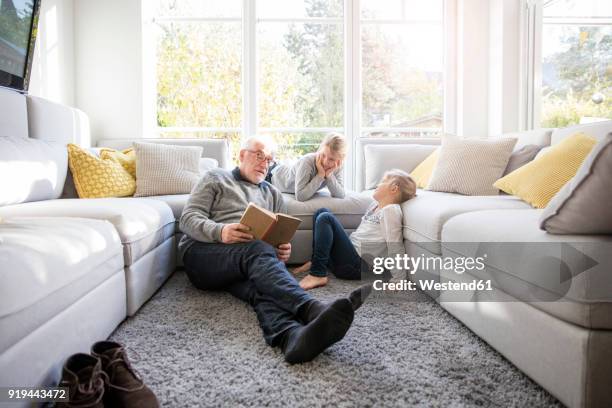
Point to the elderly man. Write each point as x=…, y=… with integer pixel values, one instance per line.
x=219, y=254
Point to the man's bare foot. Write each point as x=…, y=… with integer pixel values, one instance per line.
x=303, y=268
x=311, y=282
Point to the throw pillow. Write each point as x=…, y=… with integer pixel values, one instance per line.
x=521, y=157
x=537, y=182
x=582, y=206
x=97, y=178
x=163, y=169
x=126, y=158
x=470, y=166
x=422, y=173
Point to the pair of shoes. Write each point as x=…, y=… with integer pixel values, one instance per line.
x=104, y=378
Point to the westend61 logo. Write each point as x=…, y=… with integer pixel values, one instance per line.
x=426, y=263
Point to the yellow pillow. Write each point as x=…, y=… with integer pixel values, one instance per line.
x=538, y=181
x=422, y=173
x=97, y=178
x=126, y=158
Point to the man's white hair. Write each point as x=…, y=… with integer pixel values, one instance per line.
x=263, y=139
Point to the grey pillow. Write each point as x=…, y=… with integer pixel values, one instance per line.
x=470, y=166
x=582, y=206
x=166, y=169
x=521, y=157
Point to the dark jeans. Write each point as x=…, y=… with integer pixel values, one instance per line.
x=251, y=272
x=332, y=248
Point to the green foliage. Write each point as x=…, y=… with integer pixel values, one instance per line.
x=300, y=79
x=583, y=69
x=15, y=27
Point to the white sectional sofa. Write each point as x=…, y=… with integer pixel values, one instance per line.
x=73, y=269
x=555, y=328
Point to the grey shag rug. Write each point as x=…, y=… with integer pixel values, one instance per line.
x=198, y=349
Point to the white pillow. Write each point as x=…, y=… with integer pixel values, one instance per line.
x=166, y=169
x=470, y=166
x=380, y=158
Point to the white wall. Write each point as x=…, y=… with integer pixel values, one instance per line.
x=52, y=74
x=504, y=66
x=472, y=68
x=108, y=66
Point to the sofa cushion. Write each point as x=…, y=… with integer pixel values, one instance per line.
x=31, y=170
x=520, y=261
x=380, y=158
x=47, y=265
x=422, y=173
x=521, y=157
x=126, y=158
x=426, y=214
x=97, y=177
x=470, y=166
x=582, y=206
x=537, y=182
x=349, y=209
x=142, y=224
x=166, y=169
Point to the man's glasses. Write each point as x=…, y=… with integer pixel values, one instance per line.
x=261, y=156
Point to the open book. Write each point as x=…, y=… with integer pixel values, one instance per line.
x=272, y=228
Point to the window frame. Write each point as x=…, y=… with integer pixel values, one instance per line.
x=532, y=26
x=351, y=23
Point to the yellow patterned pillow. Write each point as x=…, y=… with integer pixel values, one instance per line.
x=98, y=178
x=537, y=182
x=126, y=158
x=422, y=173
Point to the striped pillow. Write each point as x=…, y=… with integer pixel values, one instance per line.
x=166, y=169
x=470, y=166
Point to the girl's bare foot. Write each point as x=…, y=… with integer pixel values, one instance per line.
x=303, y=268
x=311, y=282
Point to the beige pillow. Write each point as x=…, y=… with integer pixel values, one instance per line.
x=166, y=169
x=470, y=166
x=582, y=206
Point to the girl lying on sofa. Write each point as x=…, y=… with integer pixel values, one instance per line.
x=313, y=171
x=380, y=226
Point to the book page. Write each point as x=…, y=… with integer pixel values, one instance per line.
x=283, y=230
x=258, y=219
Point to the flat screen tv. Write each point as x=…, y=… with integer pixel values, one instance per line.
x=18, y=27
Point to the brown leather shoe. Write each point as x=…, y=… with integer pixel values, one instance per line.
x=83, y=376
x=125, y=388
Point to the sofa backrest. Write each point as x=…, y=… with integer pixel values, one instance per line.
x=217, y=149
x=14, y=117
x=597, y=129
x=33, y=137
x=361, y=162
x=406, y=153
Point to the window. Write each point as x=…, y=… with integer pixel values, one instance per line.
x=402, y=65
x=298, y=69
x=576, y=62
x=300, y=72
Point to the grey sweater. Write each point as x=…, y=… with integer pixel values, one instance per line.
x=219, y=198
x=302, y=180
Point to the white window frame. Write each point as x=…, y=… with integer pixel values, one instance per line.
x=533, y=21
x=352, y=127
